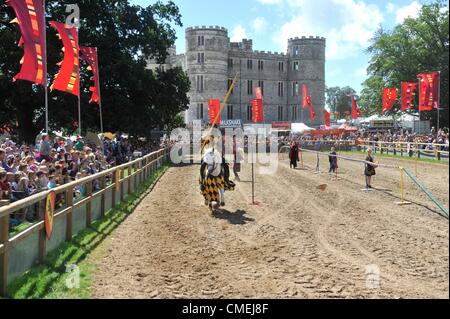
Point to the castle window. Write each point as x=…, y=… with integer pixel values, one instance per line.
x=281, y=66
x=200, y=111
x=230, y=63
x=249, y=113
x=249, y=87
x=201, y=40
x=295, y=89
x=200, y=83
x=250, y=64
x=230, y=83
x=294, y=113
x=230, y=112
x=261, y=85
x=260, y=65
x=296, y=52
x=201, y=58
x=280, y=89
x=296, y=65
x=280, y=113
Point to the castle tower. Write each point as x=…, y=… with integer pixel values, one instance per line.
x=307, y=66
x=207, y=66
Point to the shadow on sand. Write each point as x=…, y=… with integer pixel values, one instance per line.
x=236, y=218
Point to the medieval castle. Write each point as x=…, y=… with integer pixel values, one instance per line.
x=212, y=61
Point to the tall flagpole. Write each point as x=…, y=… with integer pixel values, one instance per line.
x=439, y=104
x=420, y=105
x=99, y=94
x=45, y=68
x=79, y=78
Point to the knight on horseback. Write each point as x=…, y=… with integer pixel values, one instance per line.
x=214, y=177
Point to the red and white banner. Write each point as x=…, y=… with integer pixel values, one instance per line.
x=408, y=95
x=30, y=17
x=214, y=111
x=389, y=98
x=429, y=91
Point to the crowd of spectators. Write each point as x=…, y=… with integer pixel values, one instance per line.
x=54, y=161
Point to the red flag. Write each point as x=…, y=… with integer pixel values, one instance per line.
x=30, y=17
x=258, y=93
x=355, y=109
x=327, y=118
x=312, y=113
x=90, y=56
x=306, y=98
x=389, y=98
x=429, y=91
x=214, y=109
x=257, y=110
x=69, y=74
x=408, y=95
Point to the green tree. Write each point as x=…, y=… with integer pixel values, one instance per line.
x=415, y=46
x=135, y=99
x=339, y=99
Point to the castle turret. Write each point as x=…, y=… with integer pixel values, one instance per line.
x=307, y=66
x=207, y=66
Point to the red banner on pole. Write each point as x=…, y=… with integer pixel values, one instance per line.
x=408, y=95
x=258, y=111
x=355, y=109
x=389, y=98
x=429, y=91
x=69, y=74
x=305, y=96
x=214, y=109
x=30, y=17
x=258, y=93
x=90, y=56
x=327, y=118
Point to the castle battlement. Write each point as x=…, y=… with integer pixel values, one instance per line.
x=207, y=28
x=305, y=39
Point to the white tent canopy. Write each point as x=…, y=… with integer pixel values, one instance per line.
x=300, y=128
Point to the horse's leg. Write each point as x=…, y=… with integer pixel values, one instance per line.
x=222, y=196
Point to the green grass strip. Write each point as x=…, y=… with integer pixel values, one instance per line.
x=48, y=281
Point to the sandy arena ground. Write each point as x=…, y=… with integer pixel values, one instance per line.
x=299, y=242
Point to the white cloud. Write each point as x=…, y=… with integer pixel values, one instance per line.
x=259, y=24
x=348, y=25
x=361, y=72
x=238, y=33
x=410, y=11
x=391, y=8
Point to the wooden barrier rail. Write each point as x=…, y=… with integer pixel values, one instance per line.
x=137, y=172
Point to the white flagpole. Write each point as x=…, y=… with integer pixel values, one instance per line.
x=45, y=68
x=99, y=94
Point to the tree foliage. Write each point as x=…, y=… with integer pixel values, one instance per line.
x=416, y=46
x=339, y=99
x=135, y=99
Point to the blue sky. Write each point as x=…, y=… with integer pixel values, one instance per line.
x=348, y=26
